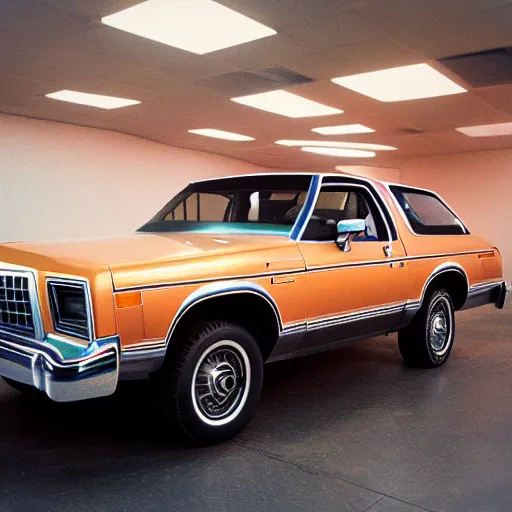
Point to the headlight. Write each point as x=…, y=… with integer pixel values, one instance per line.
x=69, y=305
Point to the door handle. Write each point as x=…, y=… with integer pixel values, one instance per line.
x=388, y=251
x=397, y=264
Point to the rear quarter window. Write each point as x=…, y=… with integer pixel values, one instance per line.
x=426, y=213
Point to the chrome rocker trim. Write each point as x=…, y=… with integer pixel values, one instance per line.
x=64, y=370
x=356, y=316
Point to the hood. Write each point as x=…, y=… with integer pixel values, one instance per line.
x=135, y=253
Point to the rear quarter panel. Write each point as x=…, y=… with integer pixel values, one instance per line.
x=426, y=253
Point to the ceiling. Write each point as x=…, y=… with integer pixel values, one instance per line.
x=51, y=45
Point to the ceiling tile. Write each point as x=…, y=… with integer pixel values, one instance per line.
x=280, y=13
x=262, y=53
x=83, y=63
x=132, y=50
x=95, y=9
x=467, y=33
x=194, y=67
x=35, y=18
x=48, y=45
x=454, y=142
x=320, y=24
x=499, y=97
x=447, y=112
x=400, y=12
x=352, y=59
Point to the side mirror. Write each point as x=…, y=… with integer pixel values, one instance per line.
x=346, y=229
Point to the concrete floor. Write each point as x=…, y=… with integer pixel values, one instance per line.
x=350, y=430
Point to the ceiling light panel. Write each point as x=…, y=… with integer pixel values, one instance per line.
x=344, y=129
x=286, y=104
x=339, y=152
x=335, y=144
x=401, y=84
x=197, y=26
x=487, y=130
x=219, y=134
x=92, y=100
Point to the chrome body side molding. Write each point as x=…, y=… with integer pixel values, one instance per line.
x=319, y=268
x=365, y=314
x=320, y=334
x=328, y=331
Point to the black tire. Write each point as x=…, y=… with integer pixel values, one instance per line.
x=428, y=340
x=210, y=384
x=19, y=386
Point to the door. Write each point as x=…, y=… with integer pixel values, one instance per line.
x=356, y=293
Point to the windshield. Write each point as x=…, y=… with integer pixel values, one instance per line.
x=266, y=204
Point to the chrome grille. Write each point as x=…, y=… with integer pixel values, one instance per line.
x=16, y=313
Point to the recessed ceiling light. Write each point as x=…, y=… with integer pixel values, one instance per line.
x=487, y=130
x=346, y=153
x=286, y=104
x=344, y=129
x=401, y=84
x=198, y=26
x=92, y=100
x=219, y=134
x=335, y=144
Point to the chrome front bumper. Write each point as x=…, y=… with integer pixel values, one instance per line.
x=504, y=296
x=65, y=371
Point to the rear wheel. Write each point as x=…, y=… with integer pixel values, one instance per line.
x=428, y=340
x=209, y=387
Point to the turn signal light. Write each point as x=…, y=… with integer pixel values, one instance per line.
x=128, y=299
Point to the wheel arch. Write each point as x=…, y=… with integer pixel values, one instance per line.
x=452, y=277
x=243, y=302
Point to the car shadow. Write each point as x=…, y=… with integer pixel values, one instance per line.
x=125, y=419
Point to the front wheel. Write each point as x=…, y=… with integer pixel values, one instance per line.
x=428, y=340
x=209, y=386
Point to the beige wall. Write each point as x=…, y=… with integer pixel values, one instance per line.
x=477, y=185
x=64, y=181
x=380, y=173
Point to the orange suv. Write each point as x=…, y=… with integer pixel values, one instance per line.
x=233, y=273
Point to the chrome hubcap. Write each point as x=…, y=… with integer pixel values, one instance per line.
x=438, y=331
x=440, y=327
x=220, y=382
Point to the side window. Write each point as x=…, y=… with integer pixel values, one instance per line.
x=426, y=213
x=343, y=203
x=201, y=207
